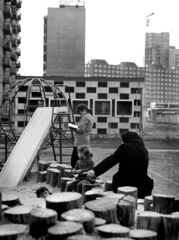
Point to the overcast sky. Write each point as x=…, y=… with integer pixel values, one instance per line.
x=115, y=30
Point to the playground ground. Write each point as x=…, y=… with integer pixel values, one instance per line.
x=163, y=167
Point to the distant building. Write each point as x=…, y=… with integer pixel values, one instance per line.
x=159, y=52
x=10, y=29
x=161, y=84
x=64, y=40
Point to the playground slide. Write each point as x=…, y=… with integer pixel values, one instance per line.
x=25, y=150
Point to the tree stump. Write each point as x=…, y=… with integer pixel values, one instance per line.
x=143, y=234
x=99, y=221
x=41, y=177
x=113, y=230
x=54, y=165
x=132, y=191
x=83, y=216
x=40, y=220
x=54, y=177
x=63, y=229
x=49, y=174
x=81, y=237
x=93, y=194
x=63, y=201
x=163, y=203
x=104, y=208
x=9, y=199
x=147, y=201
x=42, y=165
x=12, y=231
x=64, y=181
x=151, y=221
x=108, y=185
x=18, y=214
x=85, y=187
x=4, y=207
x=33, y=202
x=171, y=226
x=68, y=173
x=176, y=204
x=113, y=196
x=62, y=168
x=126, y=213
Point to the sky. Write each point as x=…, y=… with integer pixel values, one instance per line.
x=115, y=30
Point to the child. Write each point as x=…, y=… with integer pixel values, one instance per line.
x=42, y=192
x=84, y=164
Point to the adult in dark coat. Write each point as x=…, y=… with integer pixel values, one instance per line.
x=133, y=160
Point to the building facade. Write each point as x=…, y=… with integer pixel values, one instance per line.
x=117, y=103
x=161, y=85
x=10, y=40
x=64, y=40
x=159, y=52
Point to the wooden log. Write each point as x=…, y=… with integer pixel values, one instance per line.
x=176, y=204
x=63, y=201
x=33, y=202
x=49, y=174
x=10, y=199
x=108, y=185
x=42, y=165
x=4, y=207
x=126, y=213
x=68, y=173
x=62, y=168
x=83, y=216
x=13, y=231
x=54, y=165
x=40, y=220
x=63, y=229
x=54, y=177
x=140, y=201
x=147, y=201
x=143, y=234
x=163, y=203
x=64, y=181
x=85, y=187
x=132, y=191
x=41, y=176
x=99, y=221
x=18, y=214
x=82, y=237
x=93, y=194
x=113, y=196
x=104, y=208
x=151, y=221
x=113, y=230
x=171, y=226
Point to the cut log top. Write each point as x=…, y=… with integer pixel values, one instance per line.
x=112, y=227
x=114, y=196
x=63, y=197
x=100, y=205
x=149, y=214
x=33, y=202
x=127, y=189
x=163, y=196
x=95, y=191
x=139, y=233
x=9, y=197
x=82, y=237
x=54, y=170
x=4, y=207
x=129, y=199
x=99, y=221
x=54, y=165
x=12, y=229
x=64, y=227
x=43, y=212
x=18, y=210
x=78, y=215
x=66, y=166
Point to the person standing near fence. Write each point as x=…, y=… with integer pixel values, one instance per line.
x=82, y=134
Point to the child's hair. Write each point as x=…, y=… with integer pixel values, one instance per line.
x=85, y=149
x=41, y=190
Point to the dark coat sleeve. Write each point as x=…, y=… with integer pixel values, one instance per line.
x=109, y=162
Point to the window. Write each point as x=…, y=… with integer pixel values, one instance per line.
x=124, y=96
x=80, y=84
x=23, y=89
x=21, y=100
x=101, y=131
x=123, y=120
x=113, y=125
x=102, y=95
x=102, y=84
x=124, y=108
x=91, y=90
x=134, y=125
x=102, y=119
x=75, y=102
x=124, y=84
x=70, y=89
x=113, y=90
x=80, y=95
x=102, y=107
x=136, y=90
x=36, y=94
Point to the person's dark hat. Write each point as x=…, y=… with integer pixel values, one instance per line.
x=81, y=107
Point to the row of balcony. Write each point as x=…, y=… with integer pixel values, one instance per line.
x=16, y=3
x=7, y=63
x=10, y=29
x=7, y=46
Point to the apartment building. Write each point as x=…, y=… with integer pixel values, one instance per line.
x=10, y=40
x=64, y=40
